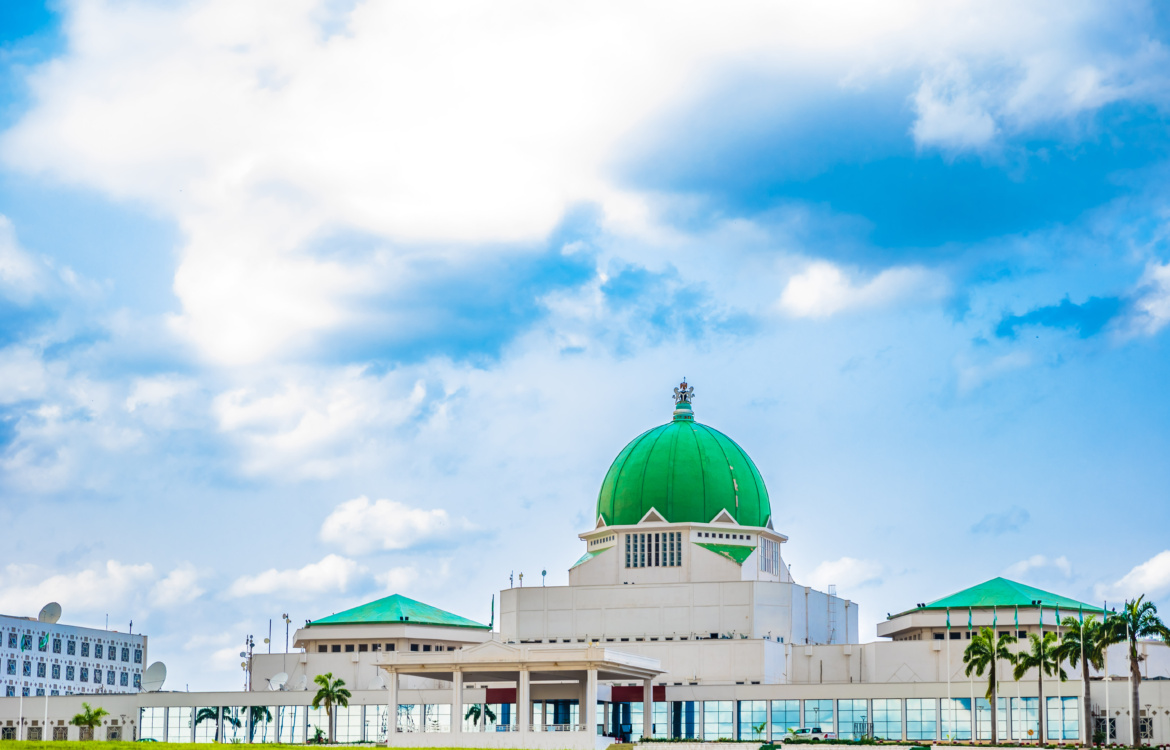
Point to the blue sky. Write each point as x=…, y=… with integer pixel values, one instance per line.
x=310, y=302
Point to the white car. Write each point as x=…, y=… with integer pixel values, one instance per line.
x=811, y=733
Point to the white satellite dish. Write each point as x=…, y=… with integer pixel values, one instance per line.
x=378, y=683
x=303, y=683
x=154, y=677
x=276, y=681
x=50, y=613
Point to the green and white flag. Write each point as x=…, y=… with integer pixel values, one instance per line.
x=948, y=618
x=1017, y=619
x=969, y=625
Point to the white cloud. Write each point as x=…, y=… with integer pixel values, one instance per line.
x=156, y=391
x=18, y=271
x=1152, y=307
x=260, y=133
x=359, y=526
x=332, y=574
x=845, y=573
x=823, y=289
x=972, y=375
x=1039, y=563
x=180, y=586
x=1151, y=578
x=90, y=591
x=395, y=580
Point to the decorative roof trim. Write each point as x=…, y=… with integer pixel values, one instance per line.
x=724, y=517
x=653, y=516
x=601, y=524
x=588, y=556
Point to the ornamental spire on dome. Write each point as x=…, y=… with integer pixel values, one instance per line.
x=682, y=402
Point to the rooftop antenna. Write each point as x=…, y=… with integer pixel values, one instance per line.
x=492, y=623
x=50, y=613
x=276, y=681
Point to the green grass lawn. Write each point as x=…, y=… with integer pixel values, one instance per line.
x=105, y=745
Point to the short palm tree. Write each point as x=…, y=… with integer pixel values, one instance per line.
x=89, y=717
x=1082, y=644
x=331, y=693
x=1043, y=656
x=983, y=654
x=475, y=713
x=1137, y=619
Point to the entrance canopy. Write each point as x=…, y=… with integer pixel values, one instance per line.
x=499, y=662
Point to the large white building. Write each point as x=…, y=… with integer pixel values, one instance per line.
x=681, y=620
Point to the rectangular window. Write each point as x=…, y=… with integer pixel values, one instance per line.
x=983, y=719
x=12, y=640
x=818, y=715
x=389, y=646
x=363, y=647
x=1025, y=718
x=349, y=648
x=85, y=648
x=71, y=648
x=887, y=719
x=10, y=692
x=26, y=642
x=56, y=671
x=137, y=680
x=97, y=650
x=753, y=720
x=56, y=645
x=27, y=670
x=718, y=723
x=337, y=648
x=852, y=719
x=40, y=669
x=43, y=642
x=414, y=647
x=12, y=666
x=85, y=674
x=956, y=719
x=322, y=649
x=97, y=676
x=137, y=656
x=113, y=652
x=921, y=719
x=1063, y=719
x=125, y=654
x=69, y=673
x=109, y=677
x=124, y=679
x=785, y=716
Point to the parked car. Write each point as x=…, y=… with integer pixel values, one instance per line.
x=812, y=733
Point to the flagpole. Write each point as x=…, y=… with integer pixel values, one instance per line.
x=1084, y=709
x=1108, y=718
x=1019, y=692
x=950, y=705
x=1059, y=684
x=972, y=683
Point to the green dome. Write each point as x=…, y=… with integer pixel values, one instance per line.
x=687, y=472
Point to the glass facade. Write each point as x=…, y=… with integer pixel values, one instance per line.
x=983, y=718
x=818, y=715
x=753, y=720
x=235, y=720
x=290, y=724
x=179, y=724
x=921, y=718
x=956, y=719
x=152, y=723
x=1025, y=718
x=1063, y=719
x=262, y=727
x=206, y=724
x=852, y=719
x=683, y=720
x=437, y=717
x=661, y=719
x=887, y=718
x=785, y=716
x=654, y=550
x=718, y=720
x=347, y=725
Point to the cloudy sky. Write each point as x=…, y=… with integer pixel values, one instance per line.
x=304, y=302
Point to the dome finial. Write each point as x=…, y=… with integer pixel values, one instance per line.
x=682, y=402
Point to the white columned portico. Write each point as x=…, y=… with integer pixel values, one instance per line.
x=524, y=701
x=589, y=704
x=457, y=702
x=647, y=709
x=391, y=705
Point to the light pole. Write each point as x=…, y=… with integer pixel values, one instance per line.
x=287, y=622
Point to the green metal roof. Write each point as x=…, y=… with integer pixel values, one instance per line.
x=737, y=553
x=587, y=557
x=398, y=609
x=686, y=471
x=1000, y=592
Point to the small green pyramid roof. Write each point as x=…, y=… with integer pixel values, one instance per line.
x=1001, y=592
x=398, y=609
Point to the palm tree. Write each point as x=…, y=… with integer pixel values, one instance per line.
x=1043, y=656
x=332, y=693
x=474, y=713
x=89, y=717
x=982, y=655
x=1137, y=619
x=257, y=714
x=1082, y=644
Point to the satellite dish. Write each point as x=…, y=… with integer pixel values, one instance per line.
x=154, y=677
x=276, y=681
x=378, y=683
x=303, y=683
x=50, y=613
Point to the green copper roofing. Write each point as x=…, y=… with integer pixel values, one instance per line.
x=398, y=609
x=686, y=471
x=1002, y=593
x=737, y=553
x=587, y=557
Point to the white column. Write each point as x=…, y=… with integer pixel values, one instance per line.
x=647, y=709
x=523, y=702
x=457, y=703
x=391, y=707
x=589, y=706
